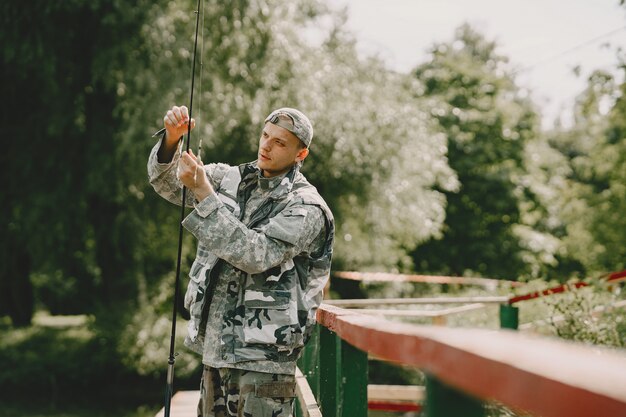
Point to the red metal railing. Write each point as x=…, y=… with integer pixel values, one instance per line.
x=428, y=279
x=541, y=376
x=613, y=277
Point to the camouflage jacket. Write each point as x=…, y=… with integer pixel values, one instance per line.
x=269, y=307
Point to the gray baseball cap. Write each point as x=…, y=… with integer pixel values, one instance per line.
x=301, y=125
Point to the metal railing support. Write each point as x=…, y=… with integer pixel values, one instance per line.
x=309, y=361
x=330, y=389
x=341, y=375
x=355, y=377
x=509, y=317
x=309, y=365
x=445, y=401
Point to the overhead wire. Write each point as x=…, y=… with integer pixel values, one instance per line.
x=569, y=50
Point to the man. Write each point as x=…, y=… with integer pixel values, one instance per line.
x=264, y=251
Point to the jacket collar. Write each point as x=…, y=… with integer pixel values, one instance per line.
x=280, y=185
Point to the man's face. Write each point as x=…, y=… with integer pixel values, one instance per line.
x=279, y=150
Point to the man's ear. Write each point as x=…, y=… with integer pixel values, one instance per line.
x=302, y=154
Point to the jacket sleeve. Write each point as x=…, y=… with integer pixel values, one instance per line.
x=162, y=177
x=286, y=235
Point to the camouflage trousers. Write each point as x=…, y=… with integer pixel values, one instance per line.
x=228, y=392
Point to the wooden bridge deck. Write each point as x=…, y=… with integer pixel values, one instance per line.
x=184, y=404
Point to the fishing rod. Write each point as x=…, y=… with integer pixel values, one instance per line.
x=169, y=387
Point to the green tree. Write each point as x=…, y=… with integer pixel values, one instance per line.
x=550, y=213
x=609, y=223
x=376, y=163
x=84, y=226
x=594, y=151
x=487, y=123
x=61, y=115
x=377, y=157
x=380, y=164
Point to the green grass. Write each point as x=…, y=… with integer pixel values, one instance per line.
x=72, y=410
x=61, y=367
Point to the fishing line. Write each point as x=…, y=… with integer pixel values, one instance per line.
x=169, y=387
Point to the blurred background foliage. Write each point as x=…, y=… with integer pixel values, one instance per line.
x=443, y=170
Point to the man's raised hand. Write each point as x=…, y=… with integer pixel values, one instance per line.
x=176, y=122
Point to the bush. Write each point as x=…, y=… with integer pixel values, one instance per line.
x=588, y=315
x=55, y=360
x=71, y=361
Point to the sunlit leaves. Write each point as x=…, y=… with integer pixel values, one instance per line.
x=487, y=123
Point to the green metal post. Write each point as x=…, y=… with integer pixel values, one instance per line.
x=309, y=365
x=509, y=317
x=445, y=401
x=330, y=373
x=298, y=409
x=354, y=372
x=309, y=361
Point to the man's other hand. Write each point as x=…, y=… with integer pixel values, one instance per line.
x=191, y=174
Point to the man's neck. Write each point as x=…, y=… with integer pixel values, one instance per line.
x=270, y=175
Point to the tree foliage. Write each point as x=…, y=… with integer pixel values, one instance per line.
x=588, y=160
x=448, y=159
x=487, y=122
x=66, y=174
x=91, y=235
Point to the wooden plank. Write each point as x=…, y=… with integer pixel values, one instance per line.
x=392, y=393
x=308, y=403
x=547, y=377
x=429, y=279
x=397, y=398
x=421, y=313
x=184, y=404
x=414, y=301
